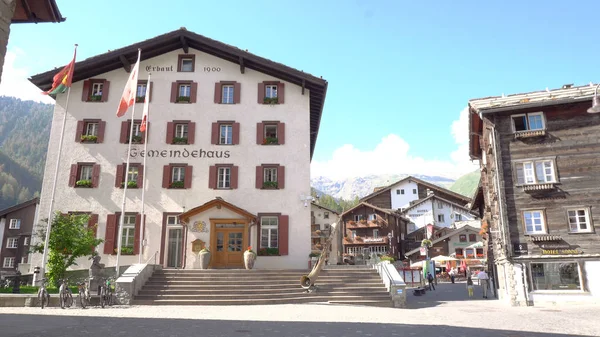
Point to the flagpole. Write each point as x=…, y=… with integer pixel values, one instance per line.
x=56, y=168
x=143, y=219
x=122, y=218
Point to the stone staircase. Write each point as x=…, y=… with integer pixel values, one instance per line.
x=358, y=286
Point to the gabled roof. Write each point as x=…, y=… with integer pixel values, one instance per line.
x=444, y=237
x=325, y=208
x=419, y=181
x=216, y=202
x=383, y=210
x=19, y=206
x=184, y=39
x=433, y=196
x=36, y=11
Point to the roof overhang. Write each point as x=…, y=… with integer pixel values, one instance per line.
x=184, y=39
x=36, y=11
x=218, y=203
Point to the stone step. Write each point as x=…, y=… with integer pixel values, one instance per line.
x=234, y=287
x=262, y=301
x=371, y=303
x=252, y=283
x=264, y=278
x=260, y=292
x=273, y=295
x=244, y=274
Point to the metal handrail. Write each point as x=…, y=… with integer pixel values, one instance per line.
x=153, y=257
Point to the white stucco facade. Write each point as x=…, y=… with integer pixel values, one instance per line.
x=436, y=211
x=106, y=199
x=403, y=193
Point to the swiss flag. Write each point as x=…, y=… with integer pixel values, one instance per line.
x=128, y=98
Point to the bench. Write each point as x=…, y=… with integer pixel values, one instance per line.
x=419, y=291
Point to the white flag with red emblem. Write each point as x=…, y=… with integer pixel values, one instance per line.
x=146, y=107
x=129, y=93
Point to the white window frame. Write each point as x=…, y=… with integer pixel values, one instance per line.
x=191, y=64
x=542, y=218
x=14, y=224
x=23, y=259
x=140, y=91
x=375, y=233
x=9, y=262
x=86, y=172
x=224, y=177
x=271, y=90
x=372, y=217
x=26, y=241
x=97, y=89
x=578, y=223
x=12, y=243
x=181, y=130
x=527, y=122
x=270, y=174
x=91, y=129
x=358, y=217
x=128, y=238
x=441, y=218
x=136, y=128
x=184, y=90
x=177, y=173
x=225, y=134
x=269, y=226
x=530, y=173
x=353, y=235
x=227, y=92
x=173, y=220
x=133, y=173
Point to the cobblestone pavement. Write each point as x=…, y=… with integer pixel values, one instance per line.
x=432, y=315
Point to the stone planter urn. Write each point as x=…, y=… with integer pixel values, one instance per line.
x=204, y=256
x=249, y=258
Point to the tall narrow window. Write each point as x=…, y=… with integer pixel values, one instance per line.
x=140, y=93
x=226, y=134
x=96, y=92
x=227, y=94
x=14, y=224
x=181, y=131
x=534, y=222
x=85, y=172
x=271, y=91
x=579, y=220
x=224, y=177
x=128, y=233
x=177, y=177
x=269, y=236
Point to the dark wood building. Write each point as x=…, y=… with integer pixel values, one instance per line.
x=540, y=192
x=371, y=229
x=16, y=225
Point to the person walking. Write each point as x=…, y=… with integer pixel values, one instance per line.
x=452, y=275
x=470, y=286
x=430, y=279
x=485, y=282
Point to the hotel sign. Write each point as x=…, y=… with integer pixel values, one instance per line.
x=561, y=251
x=183, y=153
x=373, y=240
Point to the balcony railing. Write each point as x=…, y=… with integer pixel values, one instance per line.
x=538, y=187
x=366, y=240
x=363, y=224
x=529, y=134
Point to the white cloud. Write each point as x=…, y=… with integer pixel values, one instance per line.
x=391, y=156
x=15, y=82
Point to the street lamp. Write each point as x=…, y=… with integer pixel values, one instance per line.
x=390, y=242
x=595, y=103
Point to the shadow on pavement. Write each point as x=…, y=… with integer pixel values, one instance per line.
x=445, y=292
x=12, y=325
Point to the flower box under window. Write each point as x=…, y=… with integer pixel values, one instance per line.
x=140, y=99
x=89, y=139
x=270, y=185
x=125, y=250
x=271, y=100
x=130, y=184
x=95, y=98
x=180, y=140
x=177, y=184
x=83, y=183
x=270, y=141
x=538, y=187
x=137, y=140
x=185, y=99
x=268, y=252
x=529, y=134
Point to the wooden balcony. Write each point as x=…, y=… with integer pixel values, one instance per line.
x=538, y=187
x=368, y=240
x=529, y=134
x=363, y=224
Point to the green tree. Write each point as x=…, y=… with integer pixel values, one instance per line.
x=70, y=239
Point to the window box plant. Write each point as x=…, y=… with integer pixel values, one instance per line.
x=89, y=138
x=426, y=243
x=180, y=140
x=271, y=185
x=271, y=141
x=83, y=183
x=130, y=184
x=318, y=232
x=357, y=238
x=268, y=252
x=271, y=100
x=352, y=222
x=363, y=221
x=177, y=184
x=95, y=98
x=180, y=99
x=140, y=99
x=125, y=250
x=136, y=140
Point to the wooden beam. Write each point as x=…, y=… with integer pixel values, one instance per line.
x=125, y=62
x=303, y=84
x=28, y=12
x=184, y=44
x=242, y=67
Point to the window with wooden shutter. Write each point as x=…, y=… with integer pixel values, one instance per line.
x=177, y=176
x=138, y=136
x=270, y=133
x=90, y=131
x=223, y=176
x=95, y=90
x=141, y=89
x=284, y=221
x=186, y=63
x=134, y=177
x=227, y=92
x=84, y=175
x=111, y=234
x=271, y=92
x=270, y=177
x=181, y=132
x=225, y=133
x=184, y=92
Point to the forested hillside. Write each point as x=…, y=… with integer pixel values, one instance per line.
x=24, y=132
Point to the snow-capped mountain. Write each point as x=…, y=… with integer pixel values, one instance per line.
x=361, y=186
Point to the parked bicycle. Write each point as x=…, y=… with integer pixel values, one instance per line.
x=65, y=294
x=106, y=292
x=84, y=294
x=43, y=295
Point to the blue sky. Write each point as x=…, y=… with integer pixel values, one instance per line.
x=399, y=72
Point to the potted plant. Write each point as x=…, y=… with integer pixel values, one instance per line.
x=318, y=232
x=89, y=139
x=357, y=238
x=140, y=99
x=96, y=98
x=204, y=256
x=183, y=99
x=130, y=184
x=270, y=100
x=318, y=246
x=270, y=185
x=426, y=243
x=125, y=250
x=177, y=184
x=180, y=140
x=363, y=221
x=83, y=183
x=352, y=222
x=136, y=139
x=270, y=141
x=249, y=258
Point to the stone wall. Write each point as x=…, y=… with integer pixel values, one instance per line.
x=7, y=9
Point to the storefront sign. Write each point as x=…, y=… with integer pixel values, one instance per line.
x=183, y=153
x=561, y=252
x=373, y=240
x=520, y=248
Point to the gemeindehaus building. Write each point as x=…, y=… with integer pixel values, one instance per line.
x=230, y=140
